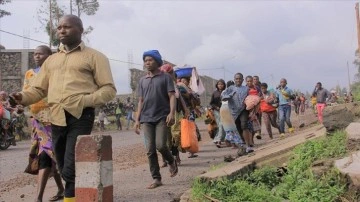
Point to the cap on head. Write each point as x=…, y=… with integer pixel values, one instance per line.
x=154, y=54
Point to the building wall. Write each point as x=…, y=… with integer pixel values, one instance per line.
x=14, y=63
x=209, y=84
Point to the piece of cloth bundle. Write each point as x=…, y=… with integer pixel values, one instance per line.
x=154, y=54
x=166, y=68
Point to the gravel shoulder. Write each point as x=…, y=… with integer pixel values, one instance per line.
x=131, y=170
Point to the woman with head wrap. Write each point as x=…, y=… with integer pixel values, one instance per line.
x=181, y=111
x=42, y=144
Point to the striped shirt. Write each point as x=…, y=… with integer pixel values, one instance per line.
x=72, y=80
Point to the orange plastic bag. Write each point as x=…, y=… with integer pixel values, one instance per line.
x=1, y=111
x=189, y=140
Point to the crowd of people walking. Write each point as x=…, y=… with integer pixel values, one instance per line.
x=63, y=90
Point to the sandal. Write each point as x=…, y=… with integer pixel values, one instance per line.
x=56, y=197
x=229, y=158
x=173, y=169
x=241, y=151
x=156, y=183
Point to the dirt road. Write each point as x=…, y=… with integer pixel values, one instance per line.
x=131, y=171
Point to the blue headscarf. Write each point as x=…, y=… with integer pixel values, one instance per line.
x=154, y=54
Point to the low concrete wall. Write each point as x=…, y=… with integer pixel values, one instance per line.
x=275, y=152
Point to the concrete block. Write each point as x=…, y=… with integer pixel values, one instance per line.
x=353, y=134
x=94, y=168
x=353, y=131
x=350, y=166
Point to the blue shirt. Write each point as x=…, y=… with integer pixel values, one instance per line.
x=284, y=95
x=235, y=96
x=37, y=69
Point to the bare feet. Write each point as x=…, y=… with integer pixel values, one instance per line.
x=154, y=184
x=164, y=165
x=173, y=169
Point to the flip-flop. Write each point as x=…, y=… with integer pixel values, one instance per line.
x=56, y=197
x=154, y=185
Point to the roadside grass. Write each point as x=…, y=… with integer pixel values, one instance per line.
x=217, y=166
x=298, y=184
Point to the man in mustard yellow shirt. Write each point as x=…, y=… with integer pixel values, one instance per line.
x=75, y=80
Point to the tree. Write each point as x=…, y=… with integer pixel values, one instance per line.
x=343, y=91
x=49, y=15
x=89, y=7
x=355, y=87
x=338, y=89
x=4, y=12
x=356, y=62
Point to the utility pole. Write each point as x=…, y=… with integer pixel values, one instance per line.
x=223, y=67
x=358, y=26
x=348, y=77
x=78, y=6
x=50, y=27
x=70, y=7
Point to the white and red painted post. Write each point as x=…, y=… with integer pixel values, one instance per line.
x=94, y=169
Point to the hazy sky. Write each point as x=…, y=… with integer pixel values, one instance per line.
x=303, y=41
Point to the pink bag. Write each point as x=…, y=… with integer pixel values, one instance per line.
x=251, y=101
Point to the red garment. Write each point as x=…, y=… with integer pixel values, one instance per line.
x=1, y=111
x=253, y=91
x=266, y=107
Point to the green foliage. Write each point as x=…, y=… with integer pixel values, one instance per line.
x=47, y=24
x=328, y=188
x=299, y=184
x=4, y=12
x=232, y=191
x=299, y=174
x=266, y=176
x=215, y=167
x=89, y=7
x=355, y=89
